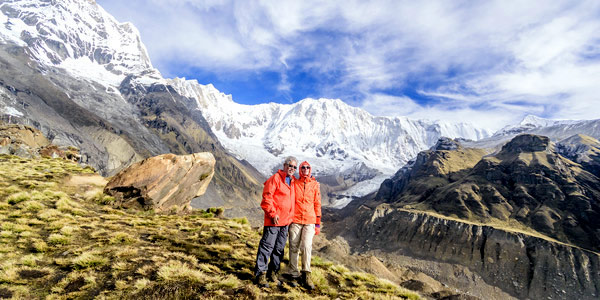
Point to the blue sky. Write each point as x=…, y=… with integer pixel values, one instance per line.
x=485, y=62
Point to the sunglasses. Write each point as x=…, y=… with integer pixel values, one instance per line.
x=305, y=167
x=292, y=166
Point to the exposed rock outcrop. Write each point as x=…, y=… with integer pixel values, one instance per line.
x=527, y=182
x=520, y=264
x=526, y=219
x=164, y=183
x=582, y=149
x=28, y=142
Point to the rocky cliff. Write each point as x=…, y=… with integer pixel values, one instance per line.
x=522, y=265
x=525, y=219
x=527, y=183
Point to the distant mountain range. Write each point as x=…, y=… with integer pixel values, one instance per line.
x=346, y=145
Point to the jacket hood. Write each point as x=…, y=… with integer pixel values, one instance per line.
x=304, y=163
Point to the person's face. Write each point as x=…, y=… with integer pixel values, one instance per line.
x=290, y=168
x=305, y=170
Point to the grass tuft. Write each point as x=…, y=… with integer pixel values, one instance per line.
x=88, y=260
x=58, y=239
x=18, y=197
x=122, y=238
x=177, y=271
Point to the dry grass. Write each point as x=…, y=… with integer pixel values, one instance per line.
x=63, y=242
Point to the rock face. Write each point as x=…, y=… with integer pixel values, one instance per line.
x=21, y=140
x=164, y=183
x=582, y=149
x=26, y=141
x=444, y=163
x=524, y=266
x=527, y=182
x=526, y=219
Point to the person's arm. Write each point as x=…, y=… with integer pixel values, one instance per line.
x=267, y=203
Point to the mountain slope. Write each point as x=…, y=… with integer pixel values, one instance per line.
x=71, y=70
x=583, y=150
x=526, y=219
x=60, y=239
x=527, y=182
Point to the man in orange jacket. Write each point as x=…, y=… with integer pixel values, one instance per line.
x=278, y=205
x=305, y=225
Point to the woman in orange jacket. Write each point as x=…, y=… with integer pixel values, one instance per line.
x=306, y=223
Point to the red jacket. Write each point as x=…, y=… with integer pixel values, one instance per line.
x=278, y=200
x=308, y=199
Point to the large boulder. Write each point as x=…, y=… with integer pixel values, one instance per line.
x=164, y=183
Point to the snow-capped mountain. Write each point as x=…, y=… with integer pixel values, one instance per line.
x=531, y=122
x=78, y=36
x=85, y=80
x=556, y=130
x=333, y=136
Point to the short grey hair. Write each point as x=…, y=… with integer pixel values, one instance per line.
x=289, y=159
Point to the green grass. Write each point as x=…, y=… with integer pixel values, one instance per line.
x=61, y=243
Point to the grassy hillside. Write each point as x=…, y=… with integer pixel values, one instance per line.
x=61, y=239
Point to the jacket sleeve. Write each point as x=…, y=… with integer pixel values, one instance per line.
x=318, y=203
x=267, y=203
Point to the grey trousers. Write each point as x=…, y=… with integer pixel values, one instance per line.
x=272, y=245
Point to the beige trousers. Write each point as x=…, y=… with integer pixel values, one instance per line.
x=301, y=236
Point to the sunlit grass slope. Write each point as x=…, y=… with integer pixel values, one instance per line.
x=60, y=240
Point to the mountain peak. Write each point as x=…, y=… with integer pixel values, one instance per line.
x=526, y=143
x=445, y=143
x=535, y=120
x=78, y=36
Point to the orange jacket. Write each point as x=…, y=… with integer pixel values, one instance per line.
x=278, y=200
x=308, y=199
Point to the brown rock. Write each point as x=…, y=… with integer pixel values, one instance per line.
x=164, y=183
x=21, y=134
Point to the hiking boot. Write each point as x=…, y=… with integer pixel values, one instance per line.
x=306, y=281
x=261, y=280
x=291, y=279
x=272, y=276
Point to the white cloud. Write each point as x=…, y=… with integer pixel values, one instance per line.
x=386, y=105
x=473, y=58
x=491, y=118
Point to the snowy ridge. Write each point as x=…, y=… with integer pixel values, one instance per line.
x=556, y=130
x=78, y=36
x=531, y=122
x=334, y=136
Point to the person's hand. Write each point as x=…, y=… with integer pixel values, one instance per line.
x=317, y=229
x=276, y=220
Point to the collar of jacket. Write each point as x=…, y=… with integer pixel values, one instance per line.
x=284, y=175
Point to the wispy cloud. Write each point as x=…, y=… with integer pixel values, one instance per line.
x=447, y=59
